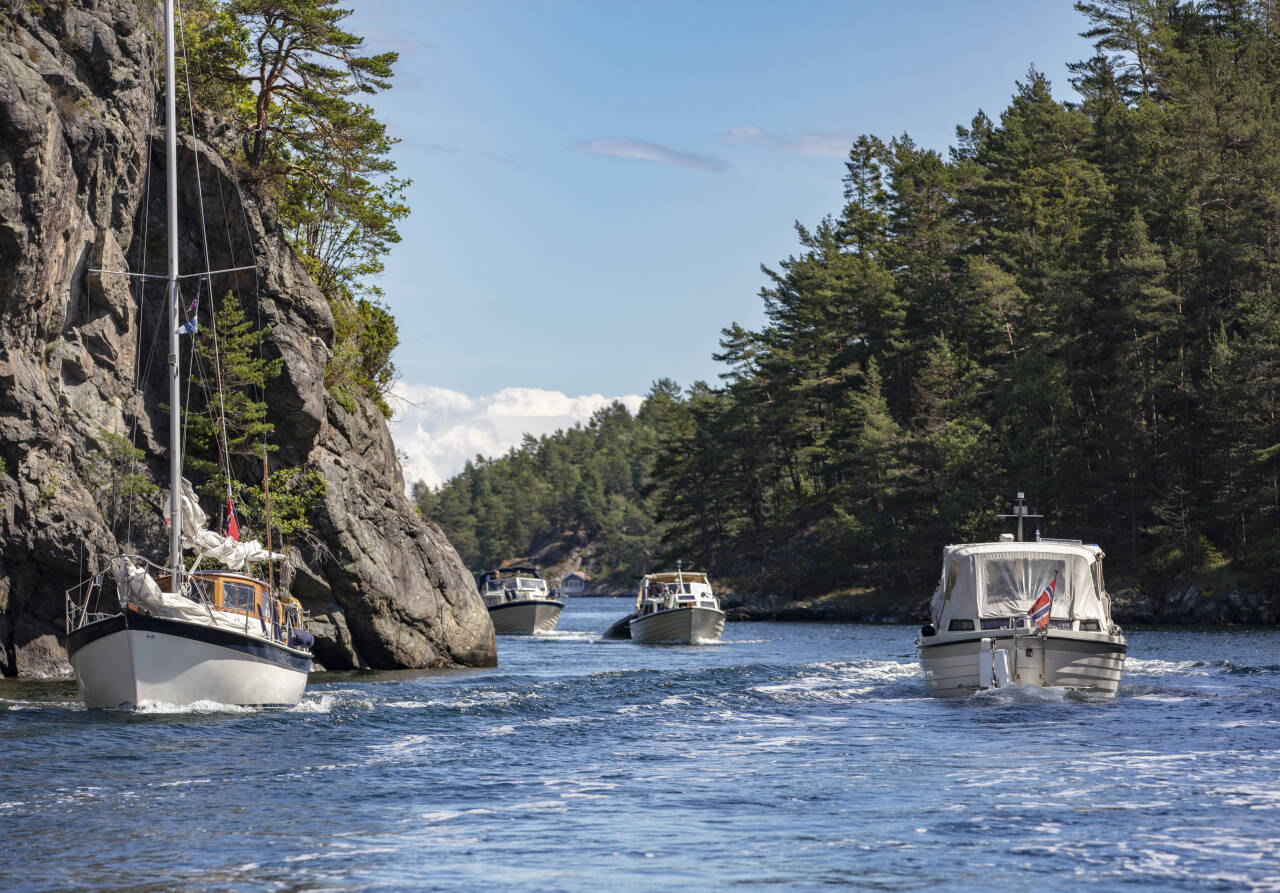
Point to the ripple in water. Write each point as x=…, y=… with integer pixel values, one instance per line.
x=789, y=757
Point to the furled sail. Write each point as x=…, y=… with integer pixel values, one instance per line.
x=209, y=544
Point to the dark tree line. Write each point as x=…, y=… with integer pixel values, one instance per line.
x=585, y=486
x=1077, y=301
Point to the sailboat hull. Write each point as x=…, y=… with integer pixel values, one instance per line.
x=131, y=659
x=678, y=626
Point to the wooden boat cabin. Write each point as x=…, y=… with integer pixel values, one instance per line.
x=233, y=592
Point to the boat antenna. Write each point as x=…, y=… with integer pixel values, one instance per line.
x=1020, y=512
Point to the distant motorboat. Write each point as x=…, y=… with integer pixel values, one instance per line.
x=518, y=601
x=1014, y=612
x=678, y=608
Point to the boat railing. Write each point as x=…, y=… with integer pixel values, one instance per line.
x=90, y=601
x=104, y=595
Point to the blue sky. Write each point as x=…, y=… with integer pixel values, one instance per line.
x=597, y=182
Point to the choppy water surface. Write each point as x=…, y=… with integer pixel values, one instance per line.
x=791, y=756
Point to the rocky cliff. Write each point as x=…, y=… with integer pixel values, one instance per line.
x=81, y=183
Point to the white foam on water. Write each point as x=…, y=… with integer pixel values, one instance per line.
x=405, y=745
x=448, y=815
x=498, y=731
x=509, y=698
x=196, y=707
x=1162, y=667
x=1020, y=694
x=563, y=635
x=827, y=681
x=179, y=784
x=557, y=721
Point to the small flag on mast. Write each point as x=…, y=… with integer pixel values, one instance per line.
x=233, y=529
x=189, y=326
x=1043, y=605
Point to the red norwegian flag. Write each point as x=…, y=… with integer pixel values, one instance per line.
x=233, y=529
x=1040, y=610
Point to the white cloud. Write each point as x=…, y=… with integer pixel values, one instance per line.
x=643, y=150
x=437, y=430
x=826, y=145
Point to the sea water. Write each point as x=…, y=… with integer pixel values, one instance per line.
x=791, y=756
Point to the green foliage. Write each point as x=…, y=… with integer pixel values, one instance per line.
x=582, y=486
x=1079, y=303
x=365, y=335
x=231, y=378
x=289, y=76
x=294, y=494
x=117, y=477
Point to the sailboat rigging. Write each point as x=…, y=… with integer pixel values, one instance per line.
x=162, y=633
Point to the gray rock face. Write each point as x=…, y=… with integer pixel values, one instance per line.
x=81, y=182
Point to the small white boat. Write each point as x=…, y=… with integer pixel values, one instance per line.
x=676, y=608
x=1013, y=612
x=518, y=601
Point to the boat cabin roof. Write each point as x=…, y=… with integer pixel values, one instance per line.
x=990, y=580
x=220, y=574
x=512, y=571
x=673, y=577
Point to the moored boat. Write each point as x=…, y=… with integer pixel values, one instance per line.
x=676, y=607
x=518, y=601
x=1015, y=612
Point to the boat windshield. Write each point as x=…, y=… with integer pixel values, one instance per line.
x=1014, y=583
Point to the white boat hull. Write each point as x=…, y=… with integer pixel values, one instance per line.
x=178, y=663
x=525, y=616
x=678, y=626
x=1080, y=661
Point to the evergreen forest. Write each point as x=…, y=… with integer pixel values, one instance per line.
x=1077, y=301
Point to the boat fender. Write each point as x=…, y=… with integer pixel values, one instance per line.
x=301, y=638
x=928, y=630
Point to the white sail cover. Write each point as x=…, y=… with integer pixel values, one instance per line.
x=991, y=580
x=223, y=550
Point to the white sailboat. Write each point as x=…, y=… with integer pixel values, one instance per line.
x=146, y=633
x=1014, y=612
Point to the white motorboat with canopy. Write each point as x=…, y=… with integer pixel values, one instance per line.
x=168, y=634
x=1018, y=612
x=676, y=607
x=518, y=601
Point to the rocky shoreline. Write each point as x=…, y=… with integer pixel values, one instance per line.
x=1187, y=605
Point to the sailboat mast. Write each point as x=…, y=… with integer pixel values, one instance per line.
x=171, y=194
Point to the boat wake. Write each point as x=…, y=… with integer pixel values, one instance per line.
x=199, y=708
x=1023, y=694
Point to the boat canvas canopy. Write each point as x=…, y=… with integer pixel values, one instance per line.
x=993, y=580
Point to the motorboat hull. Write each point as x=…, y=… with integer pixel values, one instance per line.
x=1080, y=661
x=131, y=658
x=525, y=616
x=678, y=626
